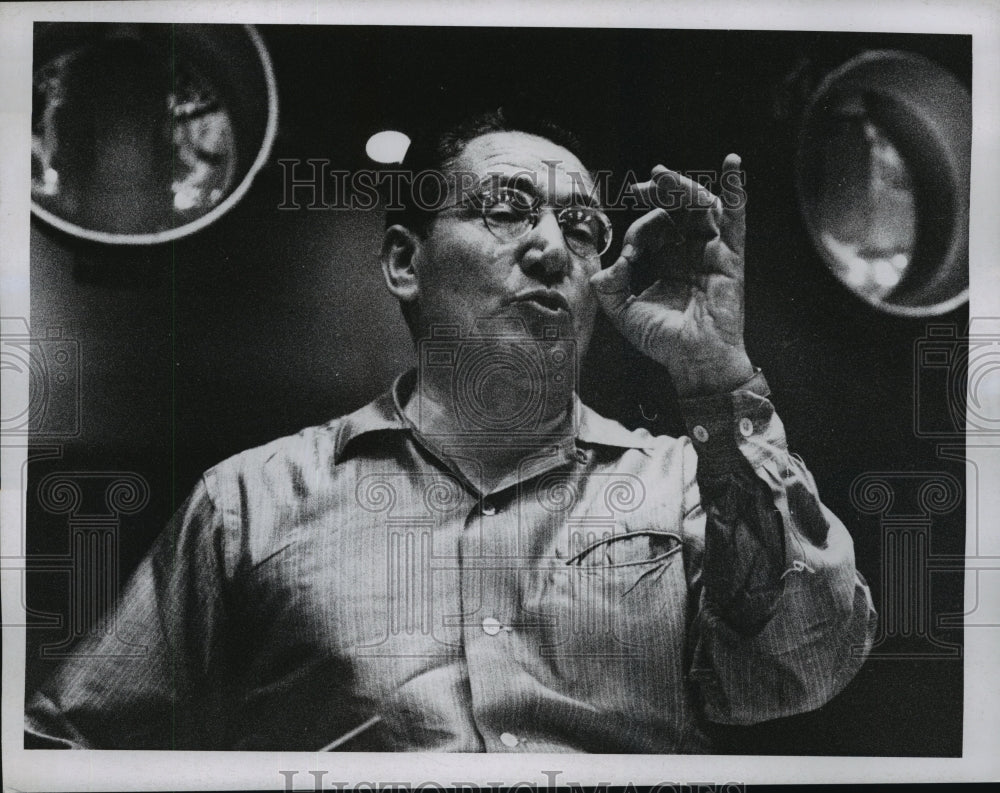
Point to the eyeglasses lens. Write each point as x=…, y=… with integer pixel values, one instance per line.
x=510, y=214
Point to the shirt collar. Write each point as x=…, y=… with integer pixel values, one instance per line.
x=382, y=414
x=385, y=414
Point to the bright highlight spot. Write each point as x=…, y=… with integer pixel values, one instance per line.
x=388, y=146
x=856, y=271
x=51, y=181
x=884, y=273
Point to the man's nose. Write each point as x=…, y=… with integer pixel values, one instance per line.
x=547, y=258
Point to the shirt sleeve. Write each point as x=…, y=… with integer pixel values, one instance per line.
x=783, y=619
x=146, y=677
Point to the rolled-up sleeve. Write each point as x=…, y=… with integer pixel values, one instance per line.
x=144, y=678
x=783, y=619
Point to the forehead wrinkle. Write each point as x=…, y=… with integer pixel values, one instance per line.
x=518, y=174
x=509, y=153
x=522, y=181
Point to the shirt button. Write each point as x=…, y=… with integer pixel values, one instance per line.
x=491, y=626
x=509, y=739
x=700, y=433
x=746, y=427
x=489, y=508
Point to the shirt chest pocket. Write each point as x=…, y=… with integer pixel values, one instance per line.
x=622, y=597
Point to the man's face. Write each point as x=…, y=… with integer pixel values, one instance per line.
x=466, y=274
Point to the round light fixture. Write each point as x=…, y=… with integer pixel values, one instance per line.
x=142, y=134
x=883, y=181
x=388, y=146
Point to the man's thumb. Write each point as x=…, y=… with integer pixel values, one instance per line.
x=612, y=288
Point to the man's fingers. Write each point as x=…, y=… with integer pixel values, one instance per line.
x=614, y=294
x=673, y=184
x=734, y=201
x=696, y=206
x=612, y=288
x=646, y=237
x=649, y=234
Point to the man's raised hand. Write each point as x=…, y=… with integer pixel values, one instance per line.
x=691, y=318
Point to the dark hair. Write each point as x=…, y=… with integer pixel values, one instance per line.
x=435, y=149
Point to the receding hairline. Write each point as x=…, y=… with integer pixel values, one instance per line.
x=436, y=149
x=453, y=163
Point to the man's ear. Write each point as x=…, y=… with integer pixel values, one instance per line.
x=400, y=248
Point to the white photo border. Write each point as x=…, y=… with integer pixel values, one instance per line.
x=161, y=770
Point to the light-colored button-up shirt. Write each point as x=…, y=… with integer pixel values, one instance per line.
x=624, y=589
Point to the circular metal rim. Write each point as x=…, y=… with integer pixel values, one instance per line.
x=159, y=237
x=896, y=309
x=934, y=310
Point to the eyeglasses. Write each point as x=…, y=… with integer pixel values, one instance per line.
x=510, y=213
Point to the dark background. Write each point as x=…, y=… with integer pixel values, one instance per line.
x=268, y=320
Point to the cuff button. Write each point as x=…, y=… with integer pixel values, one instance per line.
x=700, y=433
x=491, y=626
x=746, y=427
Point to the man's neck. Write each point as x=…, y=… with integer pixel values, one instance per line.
x=489, y=428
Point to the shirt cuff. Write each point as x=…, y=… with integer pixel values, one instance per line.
x=718, y=423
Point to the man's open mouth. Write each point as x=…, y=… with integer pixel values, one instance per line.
x=547, y=299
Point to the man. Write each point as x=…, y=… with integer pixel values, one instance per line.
x=476, y=561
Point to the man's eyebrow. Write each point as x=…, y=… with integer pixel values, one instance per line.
x=520, y=181
x=528, y=184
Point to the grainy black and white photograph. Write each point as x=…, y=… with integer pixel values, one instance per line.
x=592, y=385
